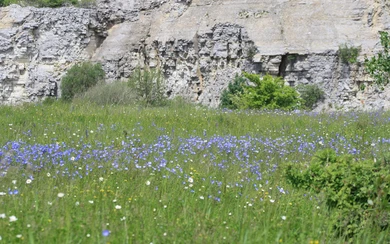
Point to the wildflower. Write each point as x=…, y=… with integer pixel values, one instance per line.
x=19, y=236
x=147, y=183
x=60, y=194
x=105, y=233
x=2, y=216
x=190, y=180
x=14, y=182
x=48, y=174
x=90, y=201
x=50, y=203
x=201, y=197
x=72, y=159
x=28, y=181
x=370, y=202
x=118, y=207
x=272, y=201
x=284, y=217
x=101, y=179
x=2, y=193
x=77, y=203
x=12, y=218
x=88, y=235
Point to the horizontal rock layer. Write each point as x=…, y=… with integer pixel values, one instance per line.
x=200, y=45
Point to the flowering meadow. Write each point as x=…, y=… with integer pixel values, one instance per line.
x=80, y=173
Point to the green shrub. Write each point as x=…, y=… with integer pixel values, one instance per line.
x=357, y=192
x=349, y=54
x=148, y=86
x=117, y=93
x=379, y=66
x=311, y=95
x=267, y=92
x=234, y=88
x=80, y=78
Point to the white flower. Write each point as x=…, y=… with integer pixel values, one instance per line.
x=28, y=225
x=12, y=218
x=90, y=201
x=28, y=181
x=284, y=217
x=60, y=194
x=48, y=174
x=77, y=203
x=50, y=203
x=147, y=183
x=201, y=197
x=272, y=201
x=370, y=202
x=19, y=236
x=72, y=159
x=2, y=216
x=88, y=235
x=14, y=182
x=165, y=206
x=118, y=207
x=2, y=193
x=101, y=179
x=191, y=180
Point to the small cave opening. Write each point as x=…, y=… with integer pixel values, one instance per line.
x=283, y=65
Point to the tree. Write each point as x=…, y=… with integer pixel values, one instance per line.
x=379, y=66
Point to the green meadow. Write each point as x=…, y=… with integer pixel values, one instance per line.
x=82, y=173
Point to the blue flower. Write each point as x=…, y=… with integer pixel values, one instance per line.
x=105, y=232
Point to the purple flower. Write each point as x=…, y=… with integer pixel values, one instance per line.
x=105, y=232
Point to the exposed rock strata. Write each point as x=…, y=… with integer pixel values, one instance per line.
x=200, y=45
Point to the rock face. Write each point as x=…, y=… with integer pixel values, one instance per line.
x=200, y=45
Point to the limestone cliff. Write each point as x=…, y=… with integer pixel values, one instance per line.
x=200, y=45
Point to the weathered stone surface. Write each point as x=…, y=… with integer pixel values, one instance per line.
x=200, y=45
x=38, y=45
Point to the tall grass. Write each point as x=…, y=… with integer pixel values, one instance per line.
x=87, y=173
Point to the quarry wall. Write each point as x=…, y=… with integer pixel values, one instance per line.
x=200, y=45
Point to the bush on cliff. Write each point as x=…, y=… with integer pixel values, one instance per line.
x=379, y=66
x=266, y=92
x=80, y=78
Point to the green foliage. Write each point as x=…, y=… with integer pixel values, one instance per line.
x=148, y=86
x=311, y=95
x=349, y=54
x=234, y=88
x=379, y=66
x=80, y=78
x=357, y=192
x=117, y=93
x=267, y=92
